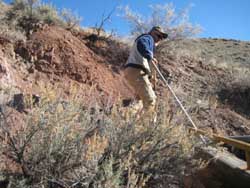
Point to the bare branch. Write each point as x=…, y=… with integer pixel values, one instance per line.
x=99, y=28
x=176, y=24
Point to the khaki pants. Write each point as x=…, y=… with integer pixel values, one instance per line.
x=142, y=87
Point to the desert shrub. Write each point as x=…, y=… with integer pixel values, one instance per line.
x=64, y=144
x=71, y=19
x=31, y=9
x=21, y=16
x=176, y=24
x=3, y=7
x=6, y=30
x=19, y=8
x=51, y=142
x=48, y=14
x=29, y=15
x=10, y=33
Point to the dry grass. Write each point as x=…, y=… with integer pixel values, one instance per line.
x=21, y=18
x=208, y=66
x=65, y=144
x=11, y=34
x=6, y=30
x=219, y=52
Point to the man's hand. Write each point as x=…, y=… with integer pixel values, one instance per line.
x=154, y=61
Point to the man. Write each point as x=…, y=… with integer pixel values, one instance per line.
x=138, y=68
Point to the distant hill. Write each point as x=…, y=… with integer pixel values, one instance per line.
x=226, y=51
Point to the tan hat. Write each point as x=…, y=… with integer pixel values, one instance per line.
x=160, y=30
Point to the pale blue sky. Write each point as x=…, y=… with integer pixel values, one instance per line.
x=219, y=18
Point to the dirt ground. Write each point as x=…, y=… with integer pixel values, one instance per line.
x=55, y=56
x=216, y=97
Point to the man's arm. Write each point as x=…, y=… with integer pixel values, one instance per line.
x=145, y=46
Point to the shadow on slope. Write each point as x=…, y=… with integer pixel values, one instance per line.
x=237, y=98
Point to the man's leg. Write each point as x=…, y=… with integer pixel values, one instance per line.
x=131, y=75
x=143, y=88
x=149, y=99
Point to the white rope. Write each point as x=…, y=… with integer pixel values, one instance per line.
x=177, y=99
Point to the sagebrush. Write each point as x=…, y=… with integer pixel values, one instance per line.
x=65, y=144
x=176, y=24
x=26, y=16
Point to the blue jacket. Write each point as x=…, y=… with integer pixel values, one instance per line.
x=142, y=53
x=146, y=46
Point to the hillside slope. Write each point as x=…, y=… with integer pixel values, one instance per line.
x=56, y=57
x=211, y=76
